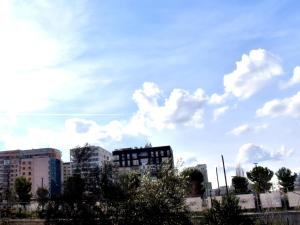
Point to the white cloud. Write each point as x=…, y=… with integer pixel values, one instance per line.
x=180, y=108
x=247, y=128
x=216, y=99
x=251, y=153
x=295, y=79
x=74, y=132
x=281, y=107
x=252, y=73
x=37, y=38
x=219, y=112
x=242, y=129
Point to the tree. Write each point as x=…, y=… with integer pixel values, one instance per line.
x=23, y=189
x=82, y=196
x=42, y=196
x=80, y=157
x=240, y=185
x=226, y=212
x=286, y=179
x=194, y=182
x=118, y=199
x=156, y=201
x=260, y=176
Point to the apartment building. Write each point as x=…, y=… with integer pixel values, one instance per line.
x=141, y=160
x=66, y=171
x=42, y=167
x=207, y=185
x=98, y=158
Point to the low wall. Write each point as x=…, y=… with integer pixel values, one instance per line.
x=22, y=222
x=285, y=217
x=270, y=200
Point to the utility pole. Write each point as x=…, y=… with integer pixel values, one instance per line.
x=225, y=176
x=218, y=180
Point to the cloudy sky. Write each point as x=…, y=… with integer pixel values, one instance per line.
x=206, y=77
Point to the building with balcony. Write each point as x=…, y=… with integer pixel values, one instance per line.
x=98, y=157
x=66, y=171
x=42, y=167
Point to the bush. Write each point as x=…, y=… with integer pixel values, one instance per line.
x=228, y=212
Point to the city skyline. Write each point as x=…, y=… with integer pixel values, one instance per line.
x=206, y=78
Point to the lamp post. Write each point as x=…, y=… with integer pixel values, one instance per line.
x=225, y=175
x=218, y=180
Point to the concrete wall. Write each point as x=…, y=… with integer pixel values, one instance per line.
x=294, y=199
x=286, y=217
x=271, y=200
x=194, y=204
x=246, y=201
x=40, y=172
x=22, y=222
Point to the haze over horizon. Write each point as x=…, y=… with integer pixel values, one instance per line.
x=205, y=77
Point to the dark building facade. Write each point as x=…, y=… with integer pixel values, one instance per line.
x=141, y=160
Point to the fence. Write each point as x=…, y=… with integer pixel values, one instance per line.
x=273, y=200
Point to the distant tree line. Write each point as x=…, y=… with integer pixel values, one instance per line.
x=260, y=178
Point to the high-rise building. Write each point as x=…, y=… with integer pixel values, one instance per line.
x=207, y=185
x=140, y=160
x=99, y=156
x=42, y=167
x=297, y=183
x=66, y=171
x=239, y=172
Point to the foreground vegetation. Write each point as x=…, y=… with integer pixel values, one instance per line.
x=104, y=196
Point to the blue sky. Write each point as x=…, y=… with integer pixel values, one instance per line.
x=206, y=77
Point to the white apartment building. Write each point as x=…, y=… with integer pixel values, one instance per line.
x=66, y=171
x=207, y=185
x=98, y=158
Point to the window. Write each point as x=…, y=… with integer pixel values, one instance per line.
x=134, y=155
x=29, y=173
x=23, y=173
x=23, y=168
x=135, y=162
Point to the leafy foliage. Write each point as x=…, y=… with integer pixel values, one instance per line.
x=226, y=212
x=42, y=196
x=261, y=177
x=118, y=199
x=154, y=201
x=240, y=185
x=194, y=179
x=23, y=188
x=286, y=179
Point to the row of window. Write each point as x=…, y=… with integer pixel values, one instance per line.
x=23, y=174
x=152, y=154
x=146, y=161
